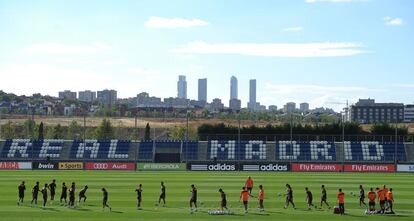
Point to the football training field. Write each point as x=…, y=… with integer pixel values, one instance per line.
x=122, y=197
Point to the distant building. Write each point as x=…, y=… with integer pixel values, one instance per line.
x=289, y=107
x=409, y=113
x=144, y=100
x=367, y=111
x=107, y=97
x=304, y=107
x=273, y=108
x=233, y=88
x=235, y=104
x=177, y=102
x=87, y=96
x=182, y=87
x=202, y=89
x=217, y=105
x=260, y=108
x=67, y=94
x=252, y=105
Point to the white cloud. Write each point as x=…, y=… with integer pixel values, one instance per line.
x=160, y=22
x=327, y=49
x=332, y=1
x=293, y=29
x=406, y=85
x=393, y=21
x=57, y=48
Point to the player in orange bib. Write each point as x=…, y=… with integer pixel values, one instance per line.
x=261, y=198
x=249, y=184
x=381, y=199
x=371, y=200
x=341, y=202
x=390, y=199
x=244, y=196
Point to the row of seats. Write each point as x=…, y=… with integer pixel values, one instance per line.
x=217, y=149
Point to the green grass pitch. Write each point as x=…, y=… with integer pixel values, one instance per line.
x=121, y=187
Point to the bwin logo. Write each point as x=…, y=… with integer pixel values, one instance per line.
x=272, y=167
x=221, y=167
x=46, y=166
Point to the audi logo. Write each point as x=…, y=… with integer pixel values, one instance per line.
x=100, y=166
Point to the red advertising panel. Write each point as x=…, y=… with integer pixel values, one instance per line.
x=109, y=166
x=369, y=168
x=316, y=167
x=9, y=166
x=15, y=165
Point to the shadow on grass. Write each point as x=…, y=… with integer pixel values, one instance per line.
x=81, y=209
x=50, y=209
x=115, y=211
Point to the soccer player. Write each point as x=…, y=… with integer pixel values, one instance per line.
x=309, y=198
x=105, y=200
x=21, y=189
x=381, y=199
x=72, y=195
x=324, y=197
x=341, y=201
x=64, y=194
x=289, y=197
x=44, y=194
x=223, y=204
x=52, y=188
x=385, y=191
x=193, y=199
x=82, y=194
x=162, y=195
x=249, y=184
x=261, y=198
x=371, y=200
x=362, y=196
x=35, y=192
x=390, y=199
x=244, y=195
x=139, y=196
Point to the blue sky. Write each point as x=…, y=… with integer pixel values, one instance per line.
x=319, y=51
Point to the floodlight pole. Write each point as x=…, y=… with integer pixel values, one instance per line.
x=396, y=143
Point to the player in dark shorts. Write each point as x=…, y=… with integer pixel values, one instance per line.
x=162, y=194
x=35, y=192
x=52, y=188
x=21, y=189
x=82, y=194
x=139, y=196
x=289, y=197
x=105, y=199
x=362, y=196
x=193, y=199
x=372, y=196
x=324, y=197
x=44, y=194
x=309, y=198
x=72, y=195
x=223, y=204
x=64, y=194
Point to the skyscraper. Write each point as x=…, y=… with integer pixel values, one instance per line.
x=252, y=95
x=202, y=89
x=182, y=87
x=233, y=88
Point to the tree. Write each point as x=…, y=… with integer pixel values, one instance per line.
x=8, y=131
x=40, y=132
x=29, y=129
x=74, y=131
x=147, y=135
x=105, y=130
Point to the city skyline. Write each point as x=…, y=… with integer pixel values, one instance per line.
x=320, y=52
